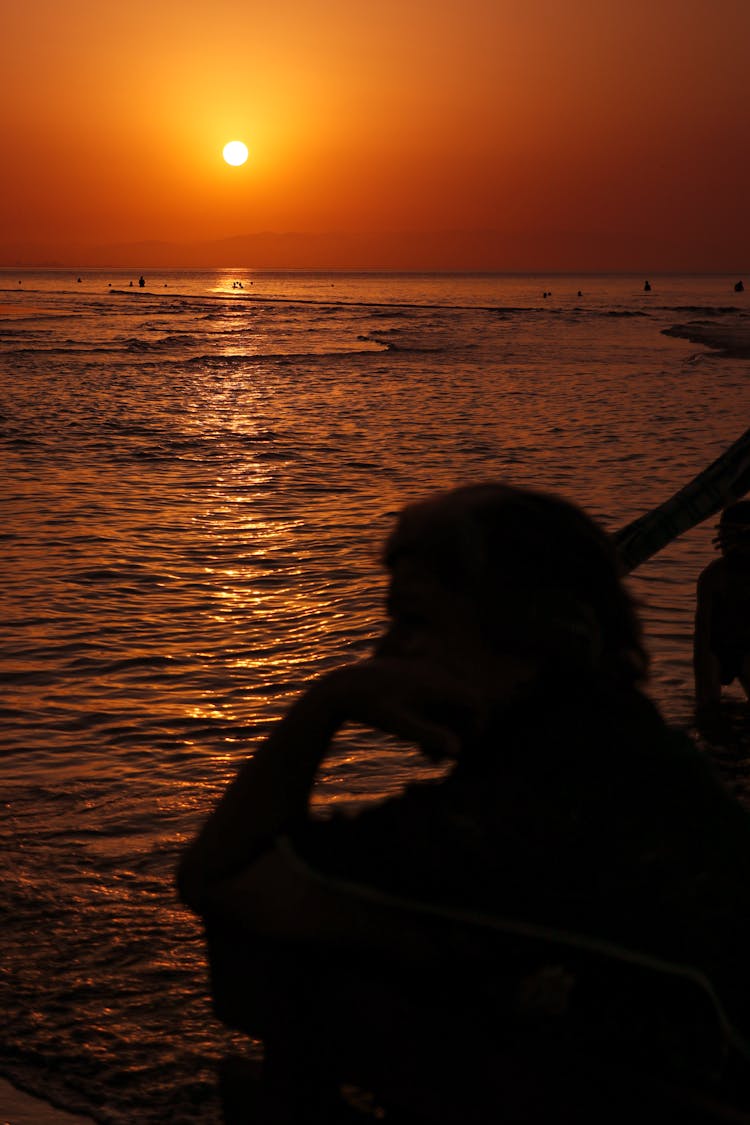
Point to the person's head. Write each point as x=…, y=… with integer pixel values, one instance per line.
x=733, y=532
x=512, y=573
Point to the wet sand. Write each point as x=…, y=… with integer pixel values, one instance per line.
x=19, y=1108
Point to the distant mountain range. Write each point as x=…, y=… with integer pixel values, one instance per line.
x=290, y=250
x=298, y=250
x=471, y=250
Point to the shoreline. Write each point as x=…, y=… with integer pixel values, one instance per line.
x=17, y=1107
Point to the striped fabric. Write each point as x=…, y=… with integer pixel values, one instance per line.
x=727, y=479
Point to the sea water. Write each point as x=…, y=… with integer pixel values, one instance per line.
x=197, y=478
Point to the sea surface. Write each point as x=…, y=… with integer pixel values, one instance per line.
x=197, y=477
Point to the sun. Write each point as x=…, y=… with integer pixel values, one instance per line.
x=235, y=152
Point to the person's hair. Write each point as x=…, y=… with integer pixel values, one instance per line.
x=545, y=577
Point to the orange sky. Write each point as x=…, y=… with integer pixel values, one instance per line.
x=548, y=134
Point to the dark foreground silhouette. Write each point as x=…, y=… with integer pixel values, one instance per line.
x=555, y=931
x=722, y=617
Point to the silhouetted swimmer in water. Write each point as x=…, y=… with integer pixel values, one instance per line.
x=739, y=287
x=141, y=281
x=721, y=650
x=647, y=287
x=513, y=655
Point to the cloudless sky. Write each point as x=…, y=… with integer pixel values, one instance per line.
x=549, y=134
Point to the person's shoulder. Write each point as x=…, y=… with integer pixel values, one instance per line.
x=667, y=765
x=713, y=575
x=694, y=776
x=640, y=730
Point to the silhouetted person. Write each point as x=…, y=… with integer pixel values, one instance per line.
x=647, y=287
x=141, y=281
x=739, y=287
x=514, y=654
x=722, y=616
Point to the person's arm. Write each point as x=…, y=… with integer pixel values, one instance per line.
x=705, y=663
x=269, y=797
x=280, y=896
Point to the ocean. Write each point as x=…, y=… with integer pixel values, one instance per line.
x=197, y=478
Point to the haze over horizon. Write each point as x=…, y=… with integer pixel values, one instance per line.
x=474, y=136
x=444, y=251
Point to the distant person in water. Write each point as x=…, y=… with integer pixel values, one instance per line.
x=647, y=287
x=513, y=654
x=722, y=617
x=141, y=281
x=739, y=287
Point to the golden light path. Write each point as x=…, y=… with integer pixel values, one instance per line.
x=235, y=152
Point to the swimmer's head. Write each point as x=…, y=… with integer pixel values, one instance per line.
x=542, y=577
x=733, y=531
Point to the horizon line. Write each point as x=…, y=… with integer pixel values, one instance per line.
x=73, y=266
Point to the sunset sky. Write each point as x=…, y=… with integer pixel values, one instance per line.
x=489, y=134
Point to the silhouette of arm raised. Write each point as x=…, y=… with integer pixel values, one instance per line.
x=233, y=865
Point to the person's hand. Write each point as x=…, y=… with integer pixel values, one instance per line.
x=412, y=699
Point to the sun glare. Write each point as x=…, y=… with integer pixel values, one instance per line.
x=235, y=152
